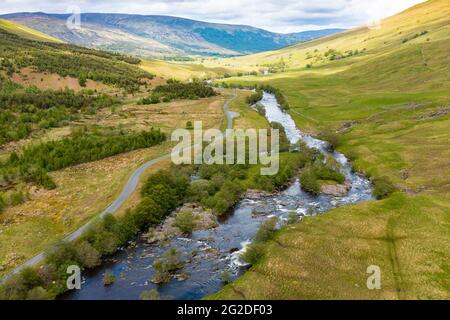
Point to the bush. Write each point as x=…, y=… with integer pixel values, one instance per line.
x=383, y=188
x=261, y=110
x=292, y=217
x=62, y=254
x=253, y=253
x=88, y=256
x=150, y=295
x=254, y=98
x=170, y=261
x=309, y=182
x=38, y=293
x=16, y=198
x=2, y=203
x=226, y=277
x=200, y=189
x=333, y=139
x=267, y=230
x=323, y=172
x=185, y=221
x=109, y=278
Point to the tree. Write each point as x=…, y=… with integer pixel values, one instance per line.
x=88, y=256
x=185, y=221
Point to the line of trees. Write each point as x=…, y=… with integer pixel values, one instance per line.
x=70, y=60
x=23, y=110
x=174, y=90
x=35, y=161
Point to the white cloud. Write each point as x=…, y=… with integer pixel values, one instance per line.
x=275, y=15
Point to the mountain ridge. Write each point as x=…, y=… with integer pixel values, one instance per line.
x=158, y=35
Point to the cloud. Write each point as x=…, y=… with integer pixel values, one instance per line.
x=274, y=15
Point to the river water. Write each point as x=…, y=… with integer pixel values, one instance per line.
x=209, y=252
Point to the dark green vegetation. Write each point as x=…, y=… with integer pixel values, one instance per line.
x=281, y=98
x=35, y=161
x=320, y=170
x=165, y=266
x=174, y=90
x=221, y=186
x=24, y=109
x=255, y=97
x=69, y=60
x=162, y=192
x=255, y=251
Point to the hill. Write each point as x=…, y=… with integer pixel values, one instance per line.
x=385, y=89
x=159, y=36
x=25, y=32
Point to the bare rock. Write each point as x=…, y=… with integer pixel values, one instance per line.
x=204, y=219
x=336, y=190
x=256, y=194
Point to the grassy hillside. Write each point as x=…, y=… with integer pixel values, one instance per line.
x=161, y=36
x=390, y=100
x=183, y=71
x=26, y=32
x=17, y=53
x=420, y=24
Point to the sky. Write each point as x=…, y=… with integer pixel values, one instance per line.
x=275, y=15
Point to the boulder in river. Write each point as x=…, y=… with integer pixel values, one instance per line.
x=336, y=190
x=256, y=194
x=203, y=220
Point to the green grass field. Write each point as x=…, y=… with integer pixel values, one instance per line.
x=395, y=97
x=26, y=32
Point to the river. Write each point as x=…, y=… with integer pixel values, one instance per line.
x=209, y=252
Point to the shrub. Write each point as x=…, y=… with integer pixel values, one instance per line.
x=88, y=256
x=150, y=295
x=253, y=253
x=31, y=278
x=255, y=97
x=383, y=188
x=2, y=203
x=108, y=278
x=309, y=182
x=267, y=230
x=62, y=254
x=226, y=277
x=323, y=172
x=189, y=125
x=200, y=189
x=261, y=110
x=16, y=198
x=38, y=293
x=292, y=217
x=13, y=289
x=333, y=138
x=185, y=221
x=170, y=261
